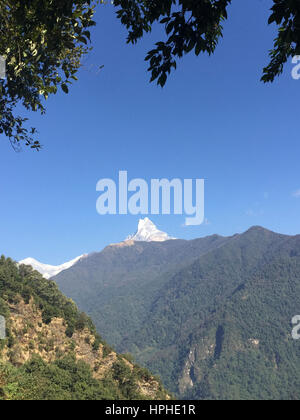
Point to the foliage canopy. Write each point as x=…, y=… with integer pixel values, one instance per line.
x=43, y=43
x=197, y=25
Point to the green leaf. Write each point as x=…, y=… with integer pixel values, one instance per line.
x=65, y=88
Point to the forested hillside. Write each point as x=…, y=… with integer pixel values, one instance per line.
x=116, y=286
x=52, y=351
x=214, y=319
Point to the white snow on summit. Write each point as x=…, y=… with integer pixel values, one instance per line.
x=148, y=232
x=49, y=271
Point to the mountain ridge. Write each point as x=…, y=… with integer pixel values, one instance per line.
x=146, y=232
x=48, y=270
x=160, y=301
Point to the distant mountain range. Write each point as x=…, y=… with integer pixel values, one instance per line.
x=212, y=316
x=146, y=232
x=47, y=270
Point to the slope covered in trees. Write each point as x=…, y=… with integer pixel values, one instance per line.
x=214, y=319
x=52, y=351
x=116, y=286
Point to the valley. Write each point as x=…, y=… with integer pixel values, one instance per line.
x=211, y=316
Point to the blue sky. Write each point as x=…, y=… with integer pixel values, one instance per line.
x=213, y=120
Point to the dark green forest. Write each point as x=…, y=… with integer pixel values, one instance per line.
x=214, y=322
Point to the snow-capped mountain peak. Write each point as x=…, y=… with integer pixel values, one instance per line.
x=49, y=271
x=148, y=232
